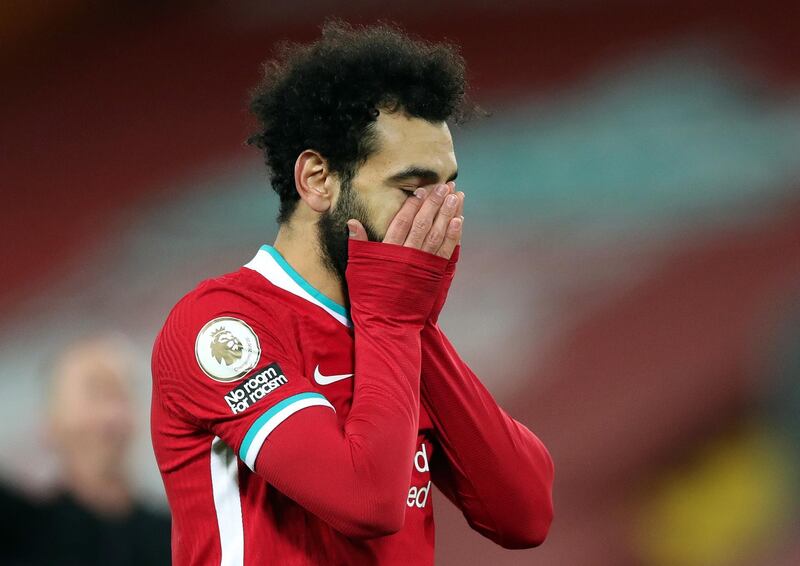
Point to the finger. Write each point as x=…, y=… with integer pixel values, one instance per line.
x=451, y=238
x=356, y=230
x=401, y=223
x=424, y=218
x=460, y=207
x=460, y=212
x=437, y=232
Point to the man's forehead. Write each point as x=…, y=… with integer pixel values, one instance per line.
x=398, y=128
x=405, y=143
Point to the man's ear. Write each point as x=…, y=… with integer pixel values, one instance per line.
x=313, y=180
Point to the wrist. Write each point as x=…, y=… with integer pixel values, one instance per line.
x=393, y=280
x=444, y=286
x=454, y=257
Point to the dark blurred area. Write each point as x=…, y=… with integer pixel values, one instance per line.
x=629, y=286
x=89, y=515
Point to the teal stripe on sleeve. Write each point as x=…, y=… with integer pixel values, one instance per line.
x=269, y=414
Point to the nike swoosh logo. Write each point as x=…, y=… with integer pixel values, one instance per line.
x=328, y=379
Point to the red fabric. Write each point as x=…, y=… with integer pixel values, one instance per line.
x=366, y=477
x=493, y=468
x=345, y=481
x=333, y=479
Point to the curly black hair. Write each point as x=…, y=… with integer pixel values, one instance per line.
x=325, y=95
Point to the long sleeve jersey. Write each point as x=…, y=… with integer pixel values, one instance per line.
x=291, y=430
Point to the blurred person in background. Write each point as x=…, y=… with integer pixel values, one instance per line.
x=93, y=516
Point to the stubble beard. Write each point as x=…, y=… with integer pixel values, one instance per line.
x=333, y=232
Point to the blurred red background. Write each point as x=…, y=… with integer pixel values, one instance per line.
x=631, y=272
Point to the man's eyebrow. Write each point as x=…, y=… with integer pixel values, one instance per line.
x=422, y=173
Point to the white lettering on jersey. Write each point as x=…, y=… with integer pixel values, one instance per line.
x=418, y=496
x=247, y=394
x=421, y=459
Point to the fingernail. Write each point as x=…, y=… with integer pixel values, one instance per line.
x=420, y=193
x=457, y=222
x=441, y=190
x=450, y=200
x=350, y=230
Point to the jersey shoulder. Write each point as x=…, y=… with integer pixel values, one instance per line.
x=242, y=292
x=220, y=352
x=239, y=305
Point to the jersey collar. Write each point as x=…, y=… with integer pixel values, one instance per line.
x=271, y=264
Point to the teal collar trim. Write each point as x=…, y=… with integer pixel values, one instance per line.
x=318, y=295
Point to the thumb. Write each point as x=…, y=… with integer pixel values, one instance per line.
x=356, y=230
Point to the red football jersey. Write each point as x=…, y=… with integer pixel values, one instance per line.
x=236, y=358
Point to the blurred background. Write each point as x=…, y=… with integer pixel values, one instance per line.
x=630, y=280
